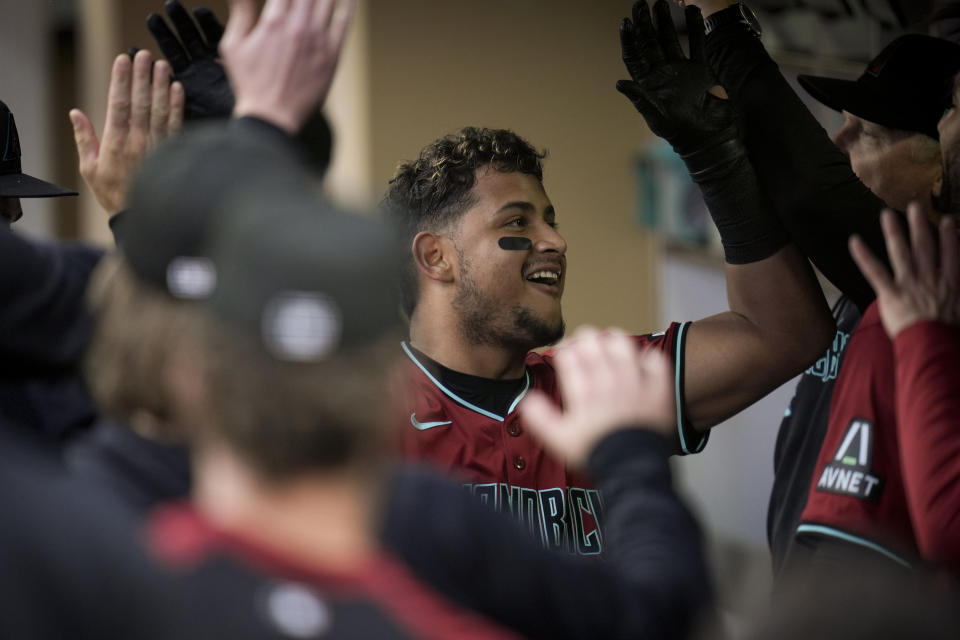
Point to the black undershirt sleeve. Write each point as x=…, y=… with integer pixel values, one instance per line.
x=818, y=198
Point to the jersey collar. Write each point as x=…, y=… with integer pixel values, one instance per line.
x=453, y=396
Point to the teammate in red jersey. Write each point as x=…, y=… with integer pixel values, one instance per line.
x=486, y=274
x=888, y=481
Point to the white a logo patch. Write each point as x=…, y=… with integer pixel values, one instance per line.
x=849, y=472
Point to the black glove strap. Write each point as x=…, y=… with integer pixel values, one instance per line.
x=749, y=230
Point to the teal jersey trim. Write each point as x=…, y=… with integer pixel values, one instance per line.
x=458, y=399
x=835, y=533
x=678, y=366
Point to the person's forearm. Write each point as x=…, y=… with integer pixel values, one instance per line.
x=813, y=189
x=664, y=562
x=928, y=429
x=778, y=324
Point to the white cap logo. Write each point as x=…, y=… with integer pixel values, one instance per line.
x=297, y=611
x=191, y=278
x=301, y=326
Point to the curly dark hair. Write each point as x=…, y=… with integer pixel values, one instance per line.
x=433, y=191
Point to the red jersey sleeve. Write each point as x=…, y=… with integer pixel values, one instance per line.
x=928, y=429
x=672, y=342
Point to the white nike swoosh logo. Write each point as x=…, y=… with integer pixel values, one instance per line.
x=423, y=426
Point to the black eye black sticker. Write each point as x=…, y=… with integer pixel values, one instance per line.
x=513, y=243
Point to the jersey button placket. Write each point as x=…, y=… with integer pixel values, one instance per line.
x=519, y=463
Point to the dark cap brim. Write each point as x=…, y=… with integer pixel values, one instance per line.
x=852, y=96
x=833, y=92
x=20, y=185
x=889, y=110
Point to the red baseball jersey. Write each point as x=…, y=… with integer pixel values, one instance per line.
x=928, y=430
x=857, y=491
x=503, y=466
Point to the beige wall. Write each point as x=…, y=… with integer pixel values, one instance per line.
x=417, y=69
x=546, y=70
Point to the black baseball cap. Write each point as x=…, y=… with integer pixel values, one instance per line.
x=14, y=183
x=164, y=234
x=907, y=86
x=307, y=281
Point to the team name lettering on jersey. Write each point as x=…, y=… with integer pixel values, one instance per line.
x=849, y=472
x=826, y=368
x=567, y=519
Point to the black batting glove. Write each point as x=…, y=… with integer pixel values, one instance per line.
x=191, y=51
x=671, y=91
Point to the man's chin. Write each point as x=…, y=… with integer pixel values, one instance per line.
x=542, y=332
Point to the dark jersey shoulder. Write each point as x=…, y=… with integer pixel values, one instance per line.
x=801, y=434
x=246, y=588
x=139, y=473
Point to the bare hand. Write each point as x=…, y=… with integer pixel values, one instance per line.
x=606, y=384
x=143, y=108
x=918, y=290
x=281, y=67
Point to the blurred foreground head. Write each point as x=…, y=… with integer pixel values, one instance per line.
x=144, y=296
x=289, y=368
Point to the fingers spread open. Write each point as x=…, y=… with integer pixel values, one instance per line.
x=88, y=147
x=695, y=34
x=924, y=246
x=897, y=247
x=160, y=102
x=642, y=24
x=118, y=98
x=274, y=10
x=340, y=24
x=873, y=270
x=170, y=47
x=210, y=26
x=189, y=34
x=541, y=414
x=178, y=99
x=243, y=16
x=666, y=32
x=140, y=92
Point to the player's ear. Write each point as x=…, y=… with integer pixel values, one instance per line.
x=434, y=255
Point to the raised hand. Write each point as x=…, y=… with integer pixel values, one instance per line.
x=282, y=65
x=918, y=290
x=143, y=108
x=677, y=96
x=192, y=53
x=606, y=385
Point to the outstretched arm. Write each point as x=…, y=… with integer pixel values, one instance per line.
x=815, y=193
x=778, y=321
